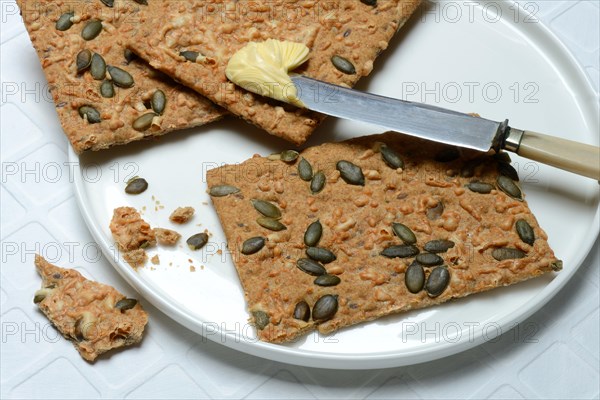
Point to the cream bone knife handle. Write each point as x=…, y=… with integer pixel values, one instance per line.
x=580, y=158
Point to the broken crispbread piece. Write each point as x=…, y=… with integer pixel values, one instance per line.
x=94, y=317
x=193, y=41
x=132, y=235
x=396, y=224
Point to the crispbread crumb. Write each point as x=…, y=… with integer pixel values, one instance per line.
x=182, y=215
x=136, y=258
x=155, y=260
x=130, y=231
x=166, y=236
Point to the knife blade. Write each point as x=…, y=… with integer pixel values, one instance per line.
x=446, y=126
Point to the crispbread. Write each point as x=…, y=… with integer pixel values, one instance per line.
x=217, y=29
x=58, y=50
x=428, y=196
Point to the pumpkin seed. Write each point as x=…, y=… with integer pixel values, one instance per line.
x=289, y=155
x=144, y=122
x=327, y=280
x=447, y=154
x=64, y=21
x=129, y=55
x=83, y=60
x=107, y=89
x=91, y=29
x=39, y=297
x=302, y=311
x=404, y=233
x=317, y=182
x=525, y=232
x=369, y=2
x=557, y=265
x=509, y=187
x=253, y=245
x=313, y=233
x=266, y=208
x=261, y=319
x=435, y=212
x=508, y=170
x=136, y=186
x=343, y=65
x=143, y=2
x=402, y=251
x=391, y=157
x=108, y=3
x=158, y=101
x=437, y=281
x=90, y=113
x=350, y=173
x=438, y=245
x=320, y=254
x=98, y=67
x=125, y=304
x=325, y=308
x=197, y=241
x=305, y=170
x=189, y=55
x=480, y=187
x=310, y=267
x=222, y=190
x=270, y=223
x=429, y=259
x=414, y=277
x=507, y=253
x=120, y=77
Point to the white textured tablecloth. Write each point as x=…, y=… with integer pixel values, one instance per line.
x=553, y=354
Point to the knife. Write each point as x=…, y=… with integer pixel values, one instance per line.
x=446, y=126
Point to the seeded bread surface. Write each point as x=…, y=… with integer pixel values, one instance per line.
x=428, y=196
x=216, y=29
x=70, y=90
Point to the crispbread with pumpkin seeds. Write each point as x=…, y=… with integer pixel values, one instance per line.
x=94, y=317
x=465, y=229
x=193, y=41
x=70, y=89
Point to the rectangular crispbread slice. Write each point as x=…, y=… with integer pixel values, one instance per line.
x=355, y=30
x=70, y=90
x=431, y=195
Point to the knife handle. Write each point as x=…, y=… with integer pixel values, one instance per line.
x=580, y=158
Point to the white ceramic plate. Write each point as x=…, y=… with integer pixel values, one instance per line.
x=493, y=59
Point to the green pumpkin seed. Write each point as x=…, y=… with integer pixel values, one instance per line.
x=289, y=155
x=266, y=208
x=129, y=55
x=557, y=265
x=480, y=187
x=525, y=232
x=351, y=173
x=429, y=259
x=108, y=3
x=302, y=311
x=158, y=101
x=325, y=308
x=317, y=182
x=142, y=2
x=39, y=297
x=437, y=281
x=64, y=21
x=261, y=319
x=372, y=3
x=98, y=67
x=83, y=60
x=125, y=304
x=305, y=170
x=401, y=251
x=310, y=267
x=327, y=280
x=91, y=30
x=404, y=233
x=509, y=187
x=320, y=254
x=253, y=245
x=90, y=113
x=190, y=55
x=270, y=223
x=438, y=245
x=414, y=277
x=507, y=253
x=391, y=157
x=197, y=241
x=144, y=122
x=222, y=190
x=120, y=77
x=343, y=65
x=508, y=170
x=447, y=154
x=107, y=89
x=136, y=186
x=435, y=212
x=313, y=234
